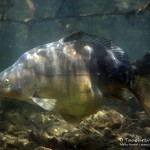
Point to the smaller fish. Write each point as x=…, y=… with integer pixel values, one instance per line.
x=74, y=75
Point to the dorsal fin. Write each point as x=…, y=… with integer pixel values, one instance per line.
x=107, y=44
x=82, y=36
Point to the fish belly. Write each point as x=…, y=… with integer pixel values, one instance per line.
x=74, y=94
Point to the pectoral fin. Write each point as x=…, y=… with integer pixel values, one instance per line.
x=47, y=104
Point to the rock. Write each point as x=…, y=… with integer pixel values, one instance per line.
x=43, y=139
x=106, y=118
x=108, y=134
x=144, y=122
x=42, y=148
x=4, y=125
x=1, y=135
x=147, y=131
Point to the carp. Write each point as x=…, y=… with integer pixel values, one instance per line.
x=73, y=75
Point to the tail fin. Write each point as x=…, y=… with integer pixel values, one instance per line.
x=140, y=84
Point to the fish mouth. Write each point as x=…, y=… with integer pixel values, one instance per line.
x=6, y=90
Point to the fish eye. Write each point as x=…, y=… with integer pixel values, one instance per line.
x=7, y=82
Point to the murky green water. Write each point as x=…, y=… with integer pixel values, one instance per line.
x=28, y=23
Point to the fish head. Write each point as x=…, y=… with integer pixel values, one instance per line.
x=16, y=83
